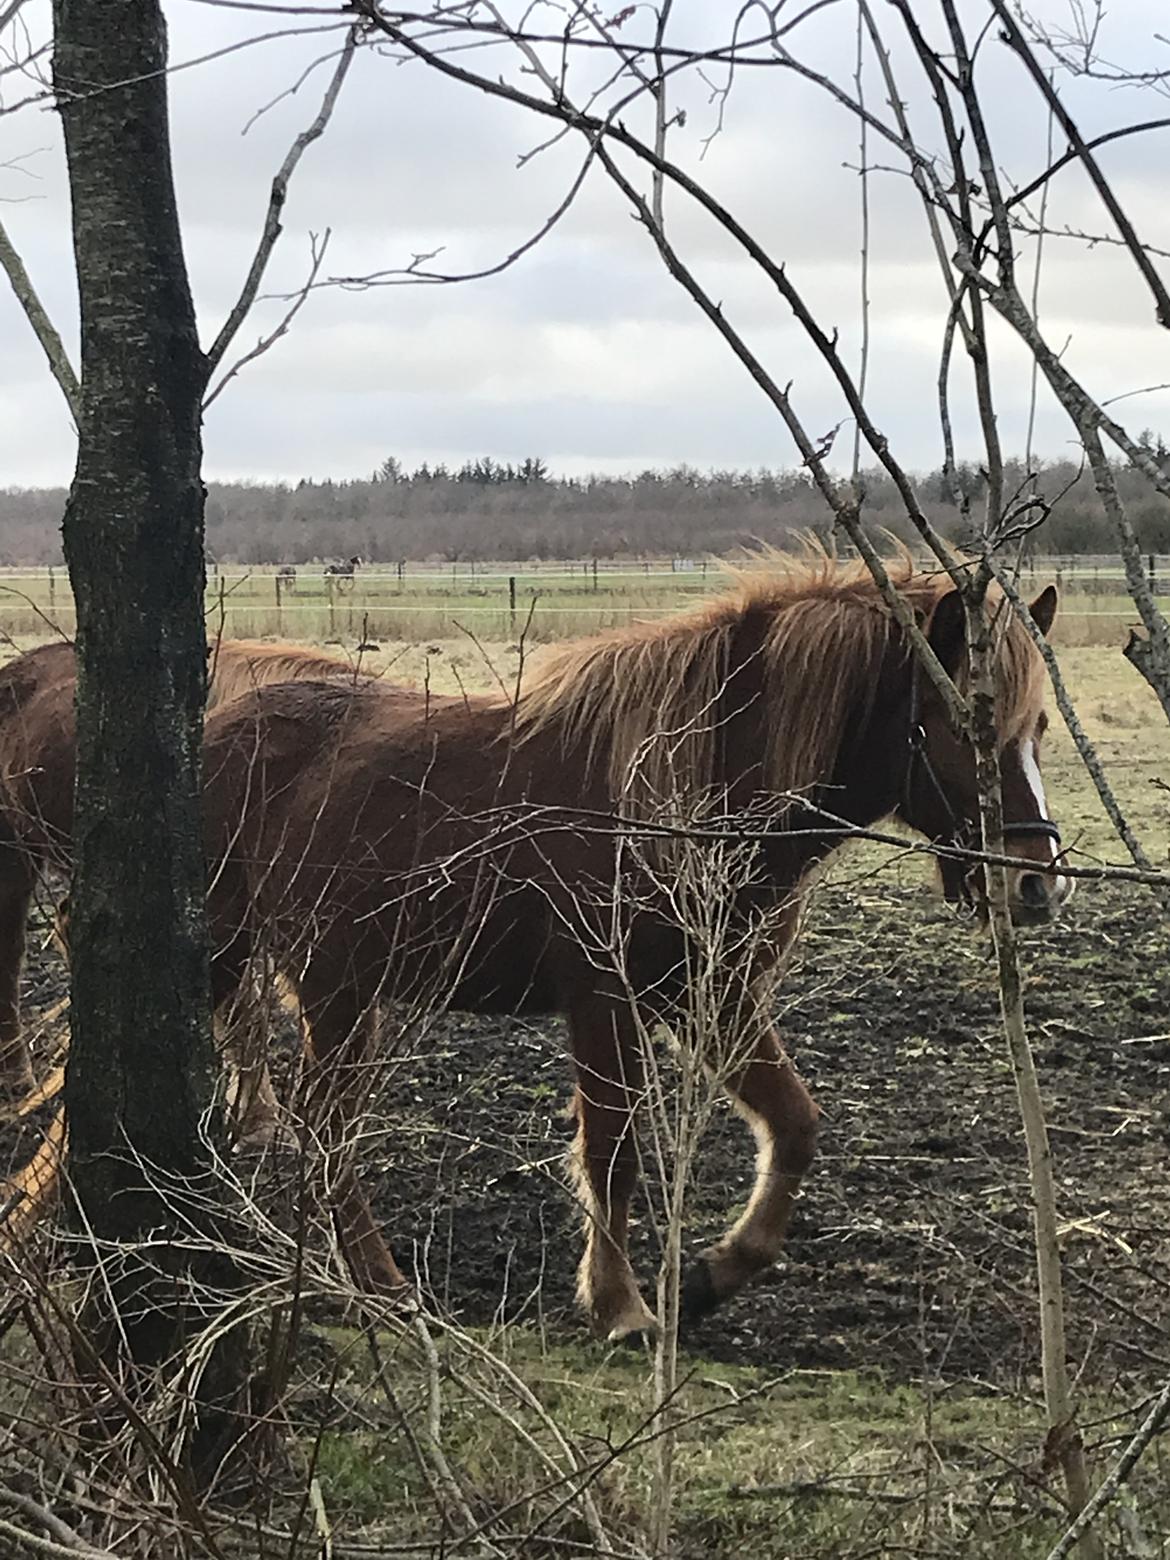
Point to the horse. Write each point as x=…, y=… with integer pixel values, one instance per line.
x=286, y=577
x=390, y=844
x=37, y=691
x=346, y=570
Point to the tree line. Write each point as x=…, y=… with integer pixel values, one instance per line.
x=488, y=509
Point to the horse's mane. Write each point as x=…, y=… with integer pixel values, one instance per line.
x=645, y=698
x=236, y=666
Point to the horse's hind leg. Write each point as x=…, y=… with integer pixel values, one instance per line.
x=783, y=1117
x=340, y=1033
x=17, y=880
x=604, y=1158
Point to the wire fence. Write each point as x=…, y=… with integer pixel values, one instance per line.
x=547, y=599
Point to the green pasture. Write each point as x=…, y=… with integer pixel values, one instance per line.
x=505, y=602
x=770, y=1462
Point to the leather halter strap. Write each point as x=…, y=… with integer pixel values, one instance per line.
x=1026, y=826
x=1020, y=828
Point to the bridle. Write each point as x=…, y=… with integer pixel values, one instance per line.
x=1022, y=828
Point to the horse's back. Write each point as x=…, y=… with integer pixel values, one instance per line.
x=238, y=666
x=374, y=821
x=287, y=747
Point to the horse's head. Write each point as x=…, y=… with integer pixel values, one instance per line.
x=940, y=797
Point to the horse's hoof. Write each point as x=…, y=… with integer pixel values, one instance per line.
x=634, y=1341
x=699, y=1296
x=635, y=1329
x=622, y=1318
x=399, y=1297
x=265, y=1136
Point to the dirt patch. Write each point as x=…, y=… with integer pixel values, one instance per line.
x=911, y=1248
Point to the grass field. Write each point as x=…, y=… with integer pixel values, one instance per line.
x=791, y=1463
x=553, y=601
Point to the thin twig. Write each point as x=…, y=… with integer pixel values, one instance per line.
x=272, y=224
x=317, y=255
x=1016, y=41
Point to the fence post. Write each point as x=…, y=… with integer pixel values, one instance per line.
x=52, y=591
x=512, y=601
x=1153, y=568
x=595, y=574
x=278, y=585
x=330, y=588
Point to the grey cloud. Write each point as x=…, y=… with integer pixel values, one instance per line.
x=586, y=351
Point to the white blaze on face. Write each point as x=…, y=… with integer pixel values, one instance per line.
x=1030, y=767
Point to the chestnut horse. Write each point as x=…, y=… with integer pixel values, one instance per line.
x=387, y=843
x=37, y=690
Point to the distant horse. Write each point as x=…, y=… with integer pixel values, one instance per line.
x=287, y=576
x=394, y=844
x=36, y=787
x=344, y=572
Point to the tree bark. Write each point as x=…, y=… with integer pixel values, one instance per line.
x=139, y=1076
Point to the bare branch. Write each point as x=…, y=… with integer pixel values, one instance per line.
x=9, y=11
x=272, y=223
x=262, y=346
x=43, y=327
x=1016, y=41
x=1117, y=1475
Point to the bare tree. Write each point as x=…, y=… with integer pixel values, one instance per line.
x=140, y=1073
x=141, y=1077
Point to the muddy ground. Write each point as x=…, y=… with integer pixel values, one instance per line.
x=911, y=1250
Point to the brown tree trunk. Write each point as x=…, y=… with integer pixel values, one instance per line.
x=140, y=1062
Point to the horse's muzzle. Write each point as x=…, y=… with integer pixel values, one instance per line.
x=1036, y=897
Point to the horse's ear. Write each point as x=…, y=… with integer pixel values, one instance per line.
x=947, y=632
x=1043, y=609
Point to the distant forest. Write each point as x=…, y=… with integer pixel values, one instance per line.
x=488, y=510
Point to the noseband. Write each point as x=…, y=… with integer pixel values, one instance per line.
x=1022, y=828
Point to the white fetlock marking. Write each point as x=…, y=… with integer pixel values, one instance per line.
x=637, y=1317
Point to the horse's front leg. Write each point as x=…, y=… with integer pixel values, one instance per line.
x=782, y=1114
x=604, y=1161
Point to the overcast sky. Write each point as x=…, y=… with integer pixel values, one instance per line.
x=584, y=352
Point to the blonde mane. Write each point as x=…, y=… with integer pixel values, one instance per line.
x=644, y=700
x=236, y=666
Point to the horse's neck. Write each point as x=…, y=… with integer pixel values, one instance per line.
x=867, y=768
